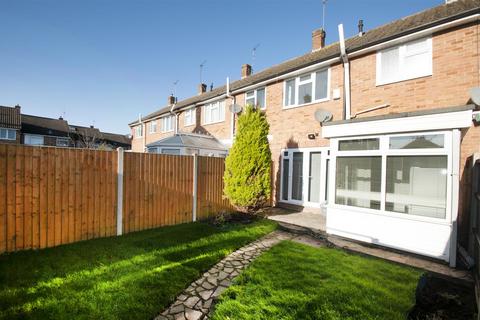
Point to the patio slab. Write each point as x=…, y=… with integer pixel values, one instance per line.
x=312, y=220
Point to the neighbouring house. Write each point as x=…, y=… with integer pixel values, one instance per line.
x=188, y=144
x=378, y=129
x=10, y=124
x=41, y=131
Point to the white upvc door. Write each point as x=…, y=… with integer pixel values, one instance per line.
x=303, y=174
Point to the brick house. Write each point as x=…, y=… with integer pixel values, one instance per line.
x=10, y=124
x=18, y=128
x=389, y=161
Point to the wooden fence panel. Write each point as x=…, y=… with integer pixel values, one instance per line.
x=210, y=187
x=43, y=191
x=157, y=190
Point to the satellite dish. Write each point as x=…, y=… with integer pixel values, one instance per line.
x=323, y=115
x=235, y=108
x=475, y=95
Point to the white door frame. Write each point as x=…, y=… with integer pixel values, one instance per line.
x=306, y=175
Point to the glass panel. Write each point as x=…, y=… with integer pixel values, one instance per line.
x=171, y=151
x=261, y=98
x=290, y=92
x=305, y=93
x=321, y=85
x=306, y=78
x=250, y=101
x=417, y=185
x=417, y=142
x=314, y=177
x=297, y=176
x=390, y=64
x=326, y=179
x=359, y=144
x=3, y=133
x=358, y=181
x=285, y=175
x=11, y=134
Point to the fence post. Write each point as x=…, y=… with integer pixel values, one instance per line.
x=195, y=187
x=120, y=152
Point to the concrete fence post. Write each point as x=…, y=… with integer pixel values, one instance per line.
x=195, y=187
x=120, y=153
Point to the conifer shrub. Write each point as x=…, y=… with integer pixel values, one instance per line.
x=247, y=174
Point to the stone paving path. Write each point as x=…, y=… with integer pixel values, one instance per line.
x=196, y=302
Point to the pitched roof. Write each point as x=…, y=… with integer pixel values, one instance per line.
x=10, y=117
x=189, y=140
x=42, y=125
x=410, y=24
x=117, y=138
x=86, y=131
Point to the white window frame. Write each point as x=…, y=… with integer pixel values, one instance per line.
x=65, y=139
x=192, y=115
x=403, y=71
x=313, y=80
x=213, y=105
x=168, y=123
x=153, y=126
x=138, y=130
x=254, y=92
x=7, y=131
x=385, y=152
x=28, y=136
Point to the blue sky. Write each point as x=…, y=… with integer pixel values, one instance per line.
x=103, y=62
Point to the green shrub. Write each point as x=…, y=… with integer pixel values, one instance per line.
x=248, y=166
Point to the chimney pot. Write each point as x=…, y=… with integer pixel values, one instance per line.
x=91, y=126
x=171, y=100
x=17, y=106
x=318, y=39
x=202, y=88
x=360, y=28
x=60, y=118
x=246, y=70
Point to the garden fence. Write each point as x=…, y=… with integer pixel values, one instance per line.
x=52, y=196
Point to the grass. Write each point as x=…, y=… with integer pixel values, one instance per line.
x=295, y=281
x=131, y=277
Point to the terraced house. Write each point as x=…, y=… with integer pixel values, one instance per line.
x=388, y=151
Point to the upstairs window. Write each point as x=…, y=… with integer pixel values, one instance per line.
x=34, y=140
x=63, y=142
x=8, y=134
x=153, y=126
x=189, y=117
x=167, y=123
x=407, y=61
x=306, y=88
x=214, y=112
x=138, y=131
x=256, y=98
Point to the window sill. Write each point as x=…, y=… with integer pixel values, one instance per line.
x=207, y=123
x=383, y=83
x=305, y=104
x=188, y=125
x=167, y=131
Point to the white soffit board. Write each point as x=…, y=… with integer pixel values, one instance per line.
x=440, y=121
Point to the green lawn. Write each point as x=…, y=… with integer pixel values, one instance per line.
x=132, y=277
x=295, y=281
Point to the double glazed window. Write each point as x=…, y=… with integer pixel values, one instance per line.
x=408, y=61
x=214, y=112
x=139, y=131
x=400, y=173
x=8, y=134
x=167, y=123
x=307, y=88
x=189, y=117
x=153, y=126
x=256, y=98
x=33, y=139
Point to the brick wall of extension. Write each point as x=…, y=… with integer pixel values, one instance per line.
x=455, y=72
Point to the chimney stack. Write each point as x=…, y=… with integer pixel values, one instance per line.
x=318, y=39
x=246, y=70
x=202, y=88
x=171, y=100
x=360, y=28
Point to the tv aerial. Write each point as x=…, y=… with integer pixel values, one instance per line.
x=235, y=108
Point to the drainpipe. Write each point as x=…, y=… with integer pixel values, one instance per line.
x=346, y=73
x=232, y=117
